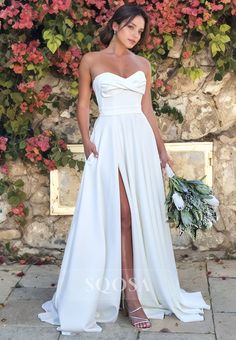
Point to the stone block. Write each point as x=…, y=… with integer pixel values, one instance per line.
x=225, y=325
x=222, y=268
x=223, y=294
x=9, y=234
x=209, y=240
x=28, y=333
x=8, y=279
x=193, y=278
x=170, y=324
x=45, y=276
x=165, y=336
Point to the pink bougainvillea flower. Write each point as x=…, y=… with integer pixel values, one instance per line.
x=168, y=87
x=40, y=141
x=44, y=93
x=51, y=164
x=62, y=144
x=4, y=169
x=3, y=143
x=19, y=69
x=43, y=143
x=187, y=54
x=26, y=17
x=35, y=57
x=19, y=210
x=34, y=156
x=159, y=83
x=24, y=107
x=23, y=87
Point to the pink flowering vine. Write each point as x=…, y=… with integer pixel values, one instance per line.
x=19, y=210
x=3, y=143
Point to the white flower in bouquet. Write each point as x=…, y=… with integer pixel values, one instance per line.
x=191, y=204
x=212, y=201
x=178, y=201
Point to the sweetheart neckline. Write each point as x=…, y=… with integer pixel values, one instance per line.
x=117, y=75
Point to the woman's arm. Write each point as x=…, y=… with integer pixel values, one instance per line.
x=83, y=104
x=147, y=109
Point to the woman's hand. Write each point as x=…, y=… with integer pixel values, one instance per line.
x=90, y=147
x=165, y=158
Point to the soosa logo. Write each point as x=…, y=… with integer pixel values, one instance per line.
x=107, y=286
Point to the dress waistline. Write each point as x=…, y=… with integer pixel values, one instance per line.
x=120, y=111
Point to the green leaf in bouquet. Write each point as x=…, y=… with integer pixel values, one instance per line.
x=192, y=232
x=186, y=217
x=196, y=202
x=178, y=184
x=196, y=214
x=195, y=181
x=203, y=189
x=176, y=216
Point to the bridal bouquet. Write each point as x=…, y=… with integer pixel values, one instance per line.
x=191, y=204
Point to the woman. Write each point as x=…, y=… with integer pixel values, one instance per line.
x=119, y=239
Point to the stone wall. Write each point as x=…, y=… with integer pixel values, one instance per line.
x=209, y=110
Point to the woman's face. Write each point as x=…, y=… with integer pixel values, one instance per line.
x=130, y=34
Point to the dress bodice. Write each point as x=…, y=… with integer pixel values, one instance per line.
x=119, y=95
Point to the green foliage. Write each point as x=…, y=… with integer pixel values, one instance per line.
x=15, y=196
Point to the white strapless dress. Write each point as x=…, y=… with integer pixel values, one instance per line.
x=89, y=284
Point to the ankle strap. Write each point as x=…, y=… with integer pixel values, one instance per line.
x=135, y=310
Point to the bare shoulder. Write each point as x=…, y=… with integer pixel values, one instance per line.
x=144, y=62
x=89, y=59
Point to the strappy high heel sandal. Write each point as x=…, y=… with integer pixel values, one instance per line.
x=128, y=312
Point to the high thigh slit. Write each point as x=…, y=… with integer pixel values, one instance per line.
x=89, y=284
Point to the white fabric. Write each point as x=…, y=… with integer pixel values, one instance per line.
x=89, y=284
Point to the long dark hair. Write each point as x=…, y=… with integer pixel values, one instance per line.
x=124, y=12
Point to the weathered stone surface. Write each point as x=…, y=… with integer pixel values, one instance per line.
x=178, y=241
x=211, y=239
x=225, y=324
x=193, y=278
x=222, y=268
x=8, y=279
x=45, y=276
x=201, y=117
x=223, y=294
x=31, y=293
x=228, y=214
x=17, y=168
x=4, y=209
x=38, y=235
x=171, y=324
x=225, y=182
x=176, y=50
x=52, y=233
x=40, y=210
x=61, y=227
x=22, y=314
x=226, y=102
x=204, y=58
x=26, y=332
x=40, y=196
x=9, y=234
x=214, y=87
x=165, y=336
x=170, y=128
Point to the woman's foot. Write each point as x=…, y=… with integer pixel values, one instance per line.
x=135, y=312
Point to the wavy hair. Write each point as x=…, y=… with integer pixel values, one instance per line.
x=122, y=13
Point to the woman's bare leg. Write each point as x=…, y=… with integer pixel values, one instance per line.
x=127, y=256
